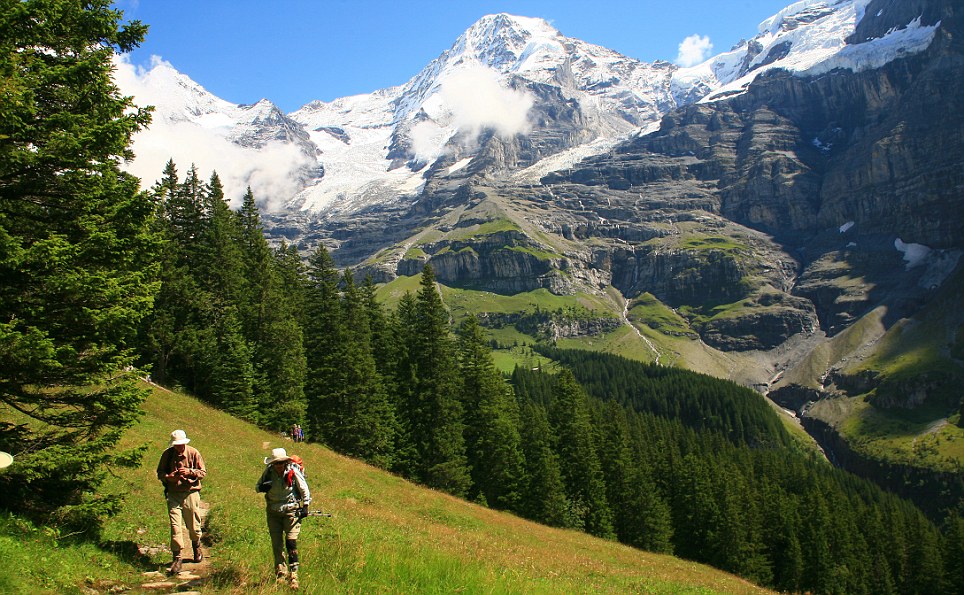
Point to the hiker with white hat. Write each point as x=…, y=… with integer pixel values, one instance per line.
x=286, y=497
x=181, y=470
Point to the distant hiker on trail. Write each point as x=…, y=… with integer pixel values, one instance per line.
x=181, y=470
x=286, y=498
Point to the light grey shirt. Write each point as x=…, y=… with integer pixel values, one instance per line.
x=281, y=497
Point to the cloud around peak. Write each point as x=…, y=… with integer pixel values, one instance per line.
x=272, y=171
x=694, y=50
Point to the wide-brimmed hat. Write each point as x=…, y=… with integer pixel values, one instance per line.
x=278, y=455
x=6, y=459
x=179, y=437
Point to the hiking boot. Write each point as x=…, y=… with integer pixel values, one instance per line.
x=198, y=554
x=175, y=567
x=280, y=573
x=293, y=579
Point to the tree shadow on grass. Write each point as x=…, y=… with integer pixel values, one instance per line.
x=132, y=553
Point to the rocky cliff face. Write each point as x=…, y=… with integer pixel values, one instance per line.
x=503, y=262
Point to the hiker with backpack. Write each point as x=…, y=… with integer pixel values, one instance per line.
x=181, y=470
x=286, y=497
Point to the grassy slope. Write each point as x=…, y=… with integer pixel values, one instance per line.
x=387, y=535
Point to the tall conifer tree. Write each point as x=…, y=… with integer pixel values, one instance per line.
x=407, y=406
x=270, y=315
x=225, y=358
x=578, y=457
x=368, y=427
x=76, y=257
x=640, y=516
x=438, y=419
x=491, y=422
x=544, y=497
x=326, y=384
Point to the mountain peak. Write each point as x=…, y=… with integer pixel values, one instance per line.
x=503, y=21
x=499, y=40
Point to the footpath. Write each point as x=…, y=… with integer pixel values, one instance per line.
x=192, y=576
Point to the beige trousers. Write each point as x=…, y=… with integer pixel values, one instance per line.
x=184, y=508
x=282, y=527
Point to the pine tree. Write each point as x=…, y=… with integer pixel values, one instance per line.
x=292, y=278
x=407, y=406
x=76, y=257
x=369, y=426
x=926, y=570
x=159, y=334
x=325, y=344
x=953, y=553
x=576, y=447
x=781, y=522
x=818, y=566
x=544, y=497
x=438, y=423
x=185, y=213
x=257, y=263
x=226, y=360
x=738, y=547
x=696, y=513
x=219, y=264
x=641, y=518
x=492, y=422
x=181, y=323
x=384, y=341
x=280, y=356
x=270, y=315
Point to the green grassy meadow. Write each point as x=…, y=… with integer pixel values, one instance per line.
x=386, y=535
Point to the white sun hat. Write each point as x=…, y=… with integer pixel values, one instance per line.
x=278, y=455
x=179, y=437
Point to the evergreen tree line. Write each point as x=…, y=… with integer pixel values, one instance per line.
x=698, y=401
x=664, y=460
x=771, y=514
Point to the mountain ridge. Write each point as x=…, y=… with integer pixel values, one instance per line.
x=418, y=128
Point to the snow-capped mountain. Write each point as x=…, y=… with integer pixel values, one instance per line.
x=491, y=78
x=505, y=77
x=809, y=38
x=248, y=145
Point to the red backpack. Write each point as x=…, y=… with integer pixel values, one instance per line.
x=290, y=475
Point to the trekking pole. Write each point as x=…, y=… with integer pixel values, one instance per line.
x=303, y=513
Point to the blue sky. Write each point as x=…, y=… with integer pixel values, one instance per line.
x=292, y=52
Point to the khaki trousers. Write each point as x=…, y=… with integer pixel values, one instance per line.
x=184, y=507
x=282, y=526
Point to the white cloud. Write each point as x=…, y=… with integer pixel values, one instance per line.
x=427, y=140
x=694, y=50
x=478, y=100
x=272, y=171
